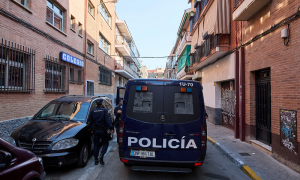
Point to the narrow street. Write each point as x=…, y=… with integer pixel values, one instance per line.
x=216, y=166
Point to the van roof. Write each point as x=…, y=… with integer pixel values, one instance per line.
x=173, y=80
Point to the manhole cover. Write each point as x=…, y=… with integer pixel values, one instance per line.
x=244, y=154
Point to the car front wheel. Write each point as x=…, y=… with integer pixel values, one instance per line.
x=84, y=156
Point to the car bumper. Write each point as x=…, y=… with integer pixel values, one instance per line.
x=161, y=163
x=43, y=176
x=59, y=159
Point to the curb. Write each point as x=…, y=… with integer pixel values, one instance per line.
x=237, y=161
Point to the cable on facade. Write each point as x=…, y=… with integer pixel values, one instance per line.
x=284, y=22
x=48, y=36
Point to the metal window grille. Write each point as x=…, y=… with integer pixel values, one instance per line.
x=104, y=76
x=90, y=88
x=17, y=68
x=56, y=78
x=76, y=74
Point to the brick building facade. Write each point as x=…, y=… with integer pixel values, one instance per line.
x=33, y=34
x=271, y=75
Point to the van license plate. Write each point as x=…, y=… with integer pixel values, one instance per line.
x=142, y=153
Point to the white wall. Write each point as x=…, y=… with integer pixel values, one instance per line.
x=222, y=70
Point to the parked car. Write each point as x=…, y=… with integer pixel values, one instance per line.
x=17, y=163
x=59, y=133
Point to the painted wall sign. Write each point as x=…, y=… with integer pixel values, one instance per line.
x=71, y=59
x=288, y=130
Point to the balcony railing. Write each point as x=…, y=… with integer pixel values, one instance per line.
x=237, y=2
x=185, y=39
x=122, y=65
x=211, y=42
x=120, y=40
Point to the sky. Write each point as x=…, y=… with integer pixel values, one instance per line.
x=153, y=26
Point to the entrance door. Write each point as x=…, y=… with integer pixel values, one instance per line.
x=228, y=104
x=263, y=106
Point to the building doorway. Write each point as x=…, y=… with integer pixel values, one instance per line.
x=263, y=106
x=228, y=104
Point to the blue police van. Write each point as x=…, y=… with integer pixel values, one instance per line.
x=163, y=123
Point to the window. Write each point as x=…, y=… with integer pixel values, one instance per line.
x=23, y=2
x=104, y=76
x=80, y=29
x=72, y=22
x=105, y=13
x=76, y=74
x=55, y=76
x=104, y=45
x=90, y=88
x=16, y=68
x=90, y=47
x=91, y=9
x=54, y=15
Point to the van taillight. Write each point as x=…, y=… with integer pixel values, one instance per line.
x=203, y=136
x=121, y=135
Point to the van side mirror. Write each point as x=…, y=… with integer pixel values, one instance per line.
x=5, y=159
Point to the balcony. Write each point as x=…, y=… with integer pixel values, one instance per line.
x=186, y=40
x=123, y=28
x=185, y=74
x=213, y=47
x=245, y=9
x=124, y=69
x=122, y=46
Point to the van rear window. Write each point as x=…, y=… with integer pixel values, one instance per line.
x=143, y=102
x=183, y=103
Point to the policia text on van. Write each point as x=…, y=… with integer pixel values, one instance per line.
x=163, y=124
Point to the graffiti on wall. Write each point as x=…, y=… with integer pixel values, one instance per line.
x=228, y=107
x=288, y=130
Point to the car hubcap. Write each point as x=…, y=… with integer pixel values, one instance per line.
x=85, y=154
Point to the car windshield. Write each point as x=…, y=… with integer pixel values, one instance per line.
x=62, y=110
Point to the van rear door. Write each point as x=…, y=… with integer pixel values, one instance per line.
x=184, y=109
x=142, y=124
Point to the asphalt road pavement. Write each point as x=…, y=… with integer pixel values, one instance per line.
x=216, y=166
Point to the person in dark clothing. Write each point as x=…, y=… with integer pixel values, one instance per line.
x=118, y=112
x=100, y=121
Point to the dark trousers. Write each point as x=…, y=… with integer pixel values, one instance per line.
x=117, y=129
x=97, y=135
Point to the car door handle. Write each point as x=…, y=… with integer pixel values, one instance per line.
x=169, y=134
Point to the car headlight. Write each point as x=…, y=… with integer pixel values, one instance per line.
x=41, y=161
x=65, y=144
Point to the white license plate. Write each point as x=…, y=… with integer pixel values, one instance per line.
x=142, y=153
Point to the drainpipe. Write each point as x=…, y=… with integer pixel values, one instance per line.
x=85, y=50
x=243, y=116
x=237, y=93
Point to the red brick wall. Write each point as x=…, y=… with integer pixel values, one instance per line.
x=270, y=51
x=19, y=105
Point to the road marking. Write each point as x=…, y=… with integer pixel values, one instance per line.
x=211, y=140
x=250, y=172
x=91, y=169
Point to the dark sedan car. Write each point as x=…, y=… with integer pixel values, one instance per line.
x=17, y=163
x=59, y=133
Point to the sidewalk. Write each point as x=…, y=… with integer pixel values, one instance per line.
x=259, y=162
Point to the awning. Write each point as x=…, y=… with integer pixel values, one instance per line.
x=184, y=58
x=223, y=17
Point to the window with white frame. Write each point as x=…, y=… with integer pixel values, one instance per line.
x=55, y=15
x=103, y=44
x=23, y=2
x=72, y=22
x=80, y=29
x=91, y=9
x=105, y=13
x=90, y=47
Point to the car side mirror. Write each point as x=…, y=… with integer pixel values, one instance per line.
x=5, y=159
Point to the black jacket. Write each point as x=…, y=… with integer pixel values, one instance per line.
x=99, y=118
x=118, y=116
